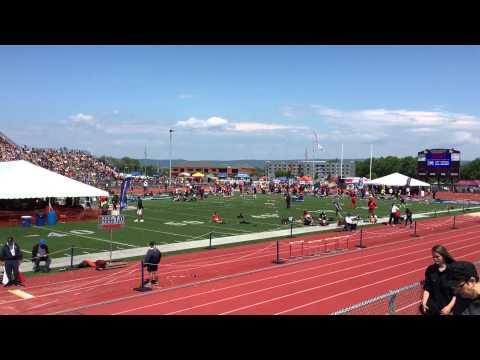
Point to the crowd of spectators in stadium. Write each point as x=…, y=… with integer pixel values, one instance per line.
x=76, y=164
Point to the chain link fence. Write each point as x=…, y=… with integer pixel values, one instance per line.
x=403, y=301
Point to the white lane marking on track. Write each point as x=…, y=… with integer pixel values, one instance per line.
x=345, y=260
x=301, y=280
x=297, y=271
x=227, y=277
x=38, y=306
x=196, y=265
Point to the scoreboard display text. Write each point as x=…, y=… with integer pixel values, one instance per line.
x=438, y=162
x=438, y=159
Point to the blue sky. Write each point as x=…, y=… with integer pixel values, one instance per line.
x=242, y=102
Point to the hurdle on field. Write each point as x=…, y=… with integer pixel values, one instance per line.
x=314, y=247
x=293, y=247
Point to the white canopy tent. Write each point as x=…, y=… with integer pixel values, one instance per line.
x=23, y=180
x=397, y=179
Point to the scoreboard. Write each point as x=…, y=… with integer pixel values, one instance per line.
x=438, y=163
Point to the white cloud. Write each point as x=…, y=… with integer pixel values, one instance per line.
x=224, y=125
x=254, y=127
x=83, y=119
x=194, y=123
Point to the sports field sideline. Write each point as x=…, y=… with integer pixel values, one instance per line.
x=173, y=222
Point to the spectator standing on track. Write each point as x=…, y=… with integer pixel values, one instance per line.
x=40, y=253
x=11, y=254
x=463, y=279
x=151, y=261
x=139, y=210
x=408, y=216
x=438, y=298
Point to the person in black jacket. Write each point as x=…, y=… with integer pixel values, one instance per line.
x=464, y=281
x=151, y=261
x=438, y=298
x=12, y=255
x=40, y=253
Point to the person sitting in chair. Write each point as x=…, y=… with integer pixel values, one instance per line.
x=216, y=218
x=322, y=219
x=40, y=253
x=307, y=218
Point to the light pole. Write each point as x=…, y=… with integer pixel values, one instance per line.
x=170, y=177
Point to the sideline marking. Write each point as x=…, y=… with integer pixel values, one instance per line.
x=88, y=237
x=31, y=235
x=22, y=294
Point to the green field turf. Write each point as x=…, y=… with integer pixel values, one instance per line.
x=167, y=221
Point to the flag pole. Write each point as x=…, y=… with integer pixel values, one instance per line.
x=341, y=165
x=170, y=176
x=371, y=157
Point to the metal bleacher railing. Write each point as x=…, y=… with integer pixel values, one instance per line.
x=403, y=301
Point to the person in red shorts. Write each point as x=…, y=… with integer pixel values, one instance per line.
x=372, y=205
x=354, y=199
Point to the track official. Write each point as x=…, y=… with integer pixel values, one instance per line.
x=151, y=261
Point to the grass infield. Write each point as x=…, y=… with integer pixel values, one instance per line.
x=167, y=222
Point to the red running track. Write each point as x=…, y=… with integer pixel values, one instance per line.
x=213, y=283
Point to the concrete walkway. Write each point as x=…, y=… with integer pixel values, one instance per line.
x=199, y=244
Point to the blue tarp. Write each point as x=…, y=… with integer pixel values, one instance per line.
x=222, y=175
x=243, y=176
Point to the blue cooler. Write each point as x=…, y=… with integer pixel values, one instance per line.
x=26, y=221
x=40, y=220
x=52, y=218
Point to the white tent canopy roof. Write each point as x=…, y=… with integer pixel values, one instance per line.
x=396, y=179
x=22, y=180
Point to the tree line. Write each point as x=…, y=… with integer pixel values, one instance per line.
x=128, y=165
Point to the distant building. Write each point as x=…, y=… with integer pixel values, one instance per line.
x=316, y=169
x=220, y=170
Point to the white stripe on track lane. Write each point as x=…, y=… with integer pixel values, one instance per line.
x=216, y=279
x=407, y=306
x=190, y=262
x=271, y=267
x=84, y=236
x=296, y=272
x=306, y=279
x=335, y=282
